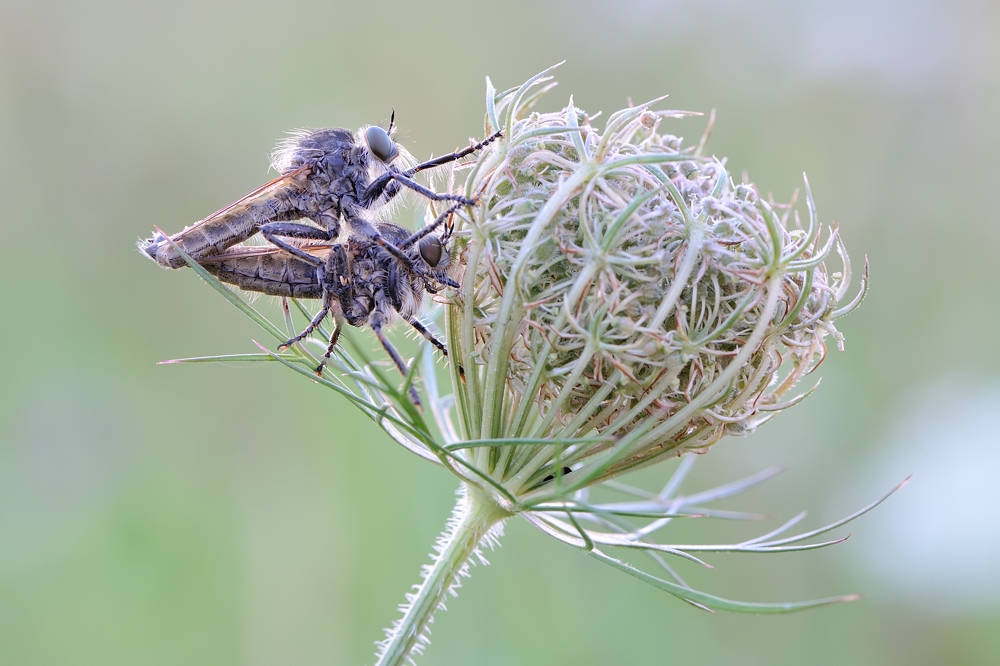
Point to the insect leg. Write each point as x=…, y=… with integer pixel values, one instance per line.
x=376, y=321
x=451, y=157
x=320, y=316
x=272, y=230
x=422, y=330
x=430, y=227
x=372, y=193
x=330, y=276
x=441, y=280
x=338, y=326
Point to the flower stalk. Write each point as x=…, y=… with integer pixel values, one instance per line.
x=475, y=522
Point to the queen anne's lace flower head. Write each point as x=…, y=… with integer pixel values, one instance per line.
x=623, y=300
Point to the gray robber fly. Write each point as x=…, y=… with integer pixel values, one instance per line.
x=326, y=175
x=358, y=280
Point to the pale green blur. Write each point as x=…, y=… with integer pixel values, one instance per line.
x=240, y=515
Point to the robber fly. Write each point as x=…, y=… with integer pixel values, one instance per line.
x=326, y=175
x=359, y=281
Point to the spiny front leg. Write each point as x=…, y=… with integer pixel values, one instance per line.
x=338, y=326
x=457, y=155
x=371, y=194
x=422, y=330
x=430, y=337
x=320, y=316
x=430, y=228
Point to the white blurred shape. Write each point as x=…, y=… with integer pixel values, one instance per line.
x=937, y=543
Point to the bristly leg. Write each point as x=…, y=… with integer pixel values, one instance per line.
x=377, y=320
x=443, y=218
x=420, y=189
x=457, y=155
x=430, y=337
x=338, y=326
x=422, y=330
x=320, y=316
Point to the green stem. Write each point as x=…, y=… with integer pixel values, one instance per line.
x=472, y=523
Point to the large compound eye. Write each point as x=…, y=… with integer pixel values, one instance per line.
x=380, y=144
x=431, y=250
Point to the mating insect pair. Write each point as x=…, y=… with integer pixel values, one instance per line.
x=378, y=272
x=358, y=281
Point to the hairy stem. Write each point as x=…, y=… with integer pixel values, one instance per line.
x=475, y=521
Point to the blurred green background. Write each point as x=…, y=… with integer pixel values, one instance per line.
x=240, y=515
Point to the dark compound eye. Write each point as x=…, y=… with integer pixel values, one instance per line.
x=380, y=144
x=431, y=250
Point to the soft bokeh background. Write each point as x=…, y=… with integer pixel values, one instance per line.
x=240, y=515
